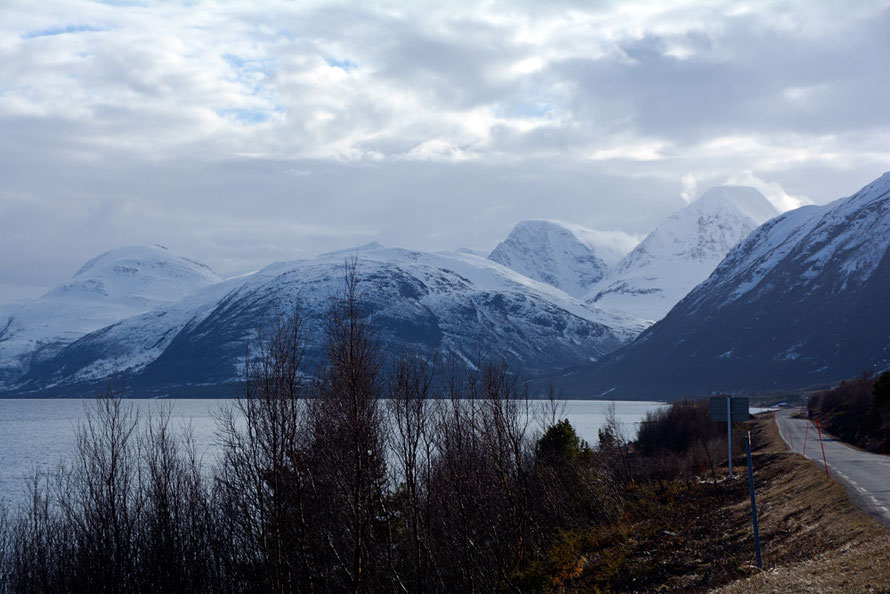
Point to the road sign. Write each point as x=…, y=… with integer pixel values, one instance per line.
x=738, y=405
x=735, y=409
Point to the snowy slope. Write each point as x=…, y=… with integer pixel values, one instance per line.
x=681, y=252
x=111, y=287
x=802, y=301
x=566, y=256
x=839, y=244
x=457, y=304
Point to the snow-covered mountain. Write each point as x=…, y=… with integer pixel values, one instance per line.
x=569, y=257
x=457, y=304
x=681, y=252
x=111, y=287
x=802, y=301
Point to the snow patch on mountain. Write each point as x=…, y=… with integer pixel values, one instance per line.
x=801, y=302
x=454, y=303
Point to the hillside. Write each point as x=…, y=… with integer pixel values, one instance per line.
x=111, y=287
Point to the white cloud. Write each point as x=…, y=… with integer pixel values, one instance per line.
x=690, y=188
x=774, y=192
x=319, y=80
x=642, y=151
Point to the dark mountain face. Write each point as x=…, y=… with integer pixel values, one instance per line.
x=805, y=300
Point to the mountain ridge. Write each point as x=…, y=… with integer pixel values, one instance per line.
x=455, y=304
x=794, y=287
x=113, y=286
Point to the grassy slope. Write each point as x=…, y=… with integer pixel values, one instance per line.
x=839, y=548
x=694, y=536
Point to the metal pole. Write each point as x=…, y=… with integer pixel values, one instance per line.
x=753, y=500
x=729, y=431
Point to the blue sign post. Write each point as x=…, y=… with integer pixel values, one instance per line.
x=753, y=500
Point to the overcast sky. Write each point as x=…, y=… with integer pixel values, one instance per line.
x=240, y=133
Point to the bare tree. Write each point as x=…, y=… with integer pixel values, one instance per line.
x=261, y=480
x=348, y=443
x=177, y=540
x=99, y=498
x=302, y=498
x=410, y=390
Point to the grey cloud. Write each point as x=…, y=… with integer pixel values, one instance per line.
x=736, y=82
x=141, y=132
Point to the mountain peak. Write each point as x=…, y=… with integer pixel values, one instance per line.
x=682, y=251
x=430, y=302
x=745, y=199
x=566, y=256
x=801, y=301
x=140, y=254
x=149, y=275
x=110, y=287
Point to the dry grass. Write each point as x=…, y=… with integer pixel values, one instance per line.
x=813, y=538
x=679, y=536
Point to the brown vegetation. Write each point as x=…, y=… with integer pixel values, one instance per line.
x=693, y=535
x=857, y=411
x=680, y=440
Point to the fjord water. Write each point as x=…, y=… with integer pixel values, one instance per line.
x=36, y=435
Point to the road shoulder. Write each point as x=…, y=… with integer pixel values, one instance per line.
x=813, y=538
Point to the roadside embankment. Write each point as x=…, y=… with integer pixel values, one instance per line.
x=696, y=535
x=813, y=538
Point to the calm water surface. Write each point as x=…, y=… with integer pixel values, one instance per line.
x=35, y=435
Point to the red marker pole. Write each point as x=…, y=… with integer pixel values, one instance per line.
x=805, y=433
x=823, y=447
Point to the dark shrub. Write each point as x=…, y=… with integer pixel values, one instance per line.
x=681, y=439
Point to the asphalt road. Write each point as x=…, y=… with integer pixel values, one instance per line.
x=866, y=476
